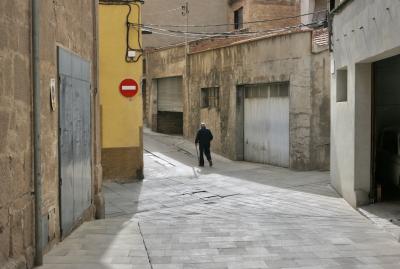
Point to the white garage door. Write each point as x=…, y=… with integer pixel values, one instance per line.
x=169, y=91
x=266, y=124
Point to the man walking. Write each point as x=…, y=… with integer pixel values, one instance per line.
x=204, y=137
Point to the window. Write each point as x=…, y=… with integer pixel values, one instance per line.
x=267, y=90
x=238, y=18
x=341, y=86
x=210, y=97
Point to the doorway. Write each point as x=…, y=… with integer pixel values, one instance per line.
x=386, y=129
x=170, y=105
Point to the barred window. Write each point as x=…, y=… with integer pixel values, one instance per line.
x=210, y=97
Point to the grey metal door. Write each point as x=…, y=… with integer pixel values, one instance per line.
x=266, y=123
x=75, y=138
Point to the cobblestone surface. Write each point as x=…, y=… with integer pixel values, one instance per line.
x=233, y=215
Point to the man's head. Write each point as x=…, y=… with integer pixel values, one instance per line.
x=202, y=125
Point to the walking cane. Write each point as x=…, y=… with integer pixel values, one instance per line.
x=197, y=153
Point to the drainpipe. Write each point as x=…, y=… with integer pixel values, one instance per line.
x=36, y=130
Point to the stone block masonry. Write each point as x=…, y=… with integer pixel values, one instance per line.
x=64, y=23
x=16, y=200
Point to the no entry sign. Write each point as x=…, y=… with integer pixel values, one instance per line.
x=128, y=88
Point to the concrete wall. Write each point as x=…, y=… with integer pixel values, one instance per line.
x=70, y=25
x=259, y=61
x=122, y=120
x=205, y=12
x=363, y=32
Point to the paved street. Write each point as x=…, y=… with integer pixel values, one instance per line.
x=233, y=215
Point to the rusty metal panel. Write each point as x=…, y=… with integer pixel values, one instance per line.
x=266, y=124
x=75, y=138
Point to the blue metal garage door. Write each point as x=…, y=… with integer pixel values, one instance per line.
x=75, y=138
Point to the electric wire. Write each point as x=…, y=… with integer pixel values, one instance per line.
x=232, y=24
x=249, y=35
x=226, y=34
x=128, y=23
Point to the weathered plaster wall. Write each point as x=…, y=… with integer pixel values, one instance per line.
x=262, y=61
x=122, y=143
x=358, y=41
x=161, y=64
x=259, y=61
x=68, y=24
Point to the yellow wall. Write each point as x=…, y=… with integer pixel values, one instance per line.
x=121, y=116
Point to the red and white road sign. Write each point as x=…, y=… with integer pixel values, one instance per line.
x=128, y=87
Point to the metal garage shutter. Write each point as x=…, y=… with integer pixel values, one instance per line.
x=169, y=91
x=266, y=123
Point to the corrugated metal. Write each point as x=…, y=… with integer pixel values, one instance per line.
x=75, y=139
x=169, y=94
x=266, y=124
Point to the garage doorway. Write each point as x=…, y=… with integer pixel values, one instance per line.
x=386, y=129
x=266, y=123
x=170, y=105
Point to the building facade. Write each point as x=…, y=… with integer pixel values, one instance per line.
x=120, y=71
x=164, y=15
x=264, y=99
x=365, y=94
x=243, y=11
x=67, y=146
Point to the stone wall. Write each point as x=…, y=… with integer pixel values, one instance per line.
x=64, y=23
x=16, y=199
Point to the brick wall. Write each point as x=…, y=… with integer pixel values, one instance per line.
x=255, y=10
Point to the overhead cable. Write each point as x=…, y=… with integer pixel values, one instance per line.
x=232, y=24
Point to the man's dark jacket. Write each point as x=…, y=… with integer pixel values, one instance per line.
x=204, y=137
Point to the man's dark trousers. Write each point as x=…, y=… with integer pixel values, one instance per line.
x=206, y=150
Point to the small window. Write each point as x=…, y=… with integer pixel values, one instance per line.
x=210, y=97
x=341, y=86
x=238, y=18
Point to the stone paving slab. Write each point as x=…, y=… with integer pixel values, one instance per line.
x=233, y=215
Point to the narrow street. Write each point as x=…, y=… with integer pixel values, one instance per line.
x=232, y=215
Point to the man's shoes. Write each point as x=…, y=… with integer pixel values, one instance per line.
x=210, y=161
